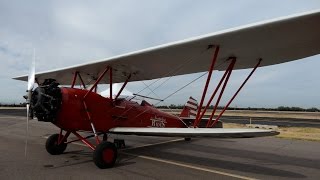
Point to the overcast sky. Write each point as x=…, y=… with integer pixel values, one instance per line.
x=66, y=33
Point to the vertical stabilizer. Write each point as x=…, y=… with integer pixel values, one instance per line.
x=190, y=109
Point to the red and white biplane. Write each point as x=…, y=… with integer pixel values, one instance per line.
x=77, y=107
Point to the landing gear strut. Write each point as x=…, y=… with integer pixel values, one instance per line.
x=104, y=153
x=119, y=143
x=105, y=137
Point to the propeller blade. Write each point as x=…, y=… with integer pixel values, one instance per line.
x=31, y=79
x=27, y=132
x=31, y=76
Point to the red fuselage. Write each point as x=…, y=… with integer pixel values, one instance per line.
x=105, y=113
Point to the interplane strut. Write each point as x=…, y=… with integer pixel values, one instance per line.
x=224, y=80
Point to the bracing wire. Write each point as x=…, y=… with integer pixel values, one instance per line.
x=177, y=69
x=182, y=87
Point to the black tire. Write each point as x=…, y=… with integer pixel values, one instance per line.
x=52, y=145
x=187, y=139
x=105, y=155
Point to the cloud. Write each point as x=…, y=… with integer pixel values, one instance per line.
x=66, y=33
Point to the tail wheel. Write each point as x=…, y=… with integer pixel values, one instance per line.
x=105, y=155
x=53, y=147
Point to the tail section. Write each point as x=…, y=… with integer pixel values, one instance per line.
x=190, y=109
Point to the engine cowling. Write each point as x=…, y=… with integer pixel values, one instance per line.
x=46, y=100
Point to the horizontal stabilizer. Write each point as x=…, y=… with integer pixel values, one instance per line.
x=194, y=132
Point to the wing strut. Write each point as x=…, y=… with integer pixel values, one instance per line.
x=224, y=80
x=124, y=85
x=216, y=51
x=77, y=74
x=94, y=86
x=228, y=74
x=245, y=81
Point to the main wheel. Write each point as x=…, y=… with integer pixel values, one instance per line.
x=105, y=155
x=53, y=147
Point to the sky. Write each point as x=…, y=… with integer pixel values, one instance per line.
x=66, y=33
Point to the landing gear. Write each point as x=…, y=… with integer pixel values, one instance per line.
x=105, y=155
x=187, y=139
x=105, y=137
x=53, y=147
x=120, y=144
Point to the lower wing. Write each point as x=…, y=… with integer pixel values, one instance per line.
x=194, y=132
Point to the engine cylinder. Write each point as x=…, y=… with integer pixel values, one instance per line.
x=46, y=100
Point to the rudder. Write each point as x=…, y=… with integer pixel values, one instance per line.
x=190, y=109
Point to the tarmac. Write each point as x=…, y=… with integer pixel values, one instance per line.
x=281, y=122
x=154, y=157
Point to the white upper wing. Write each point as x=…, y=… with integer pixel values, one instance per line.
x=194, y=132
x=275, y=41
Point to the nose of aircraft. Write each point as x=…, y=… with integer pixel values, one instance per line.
x=46, y=100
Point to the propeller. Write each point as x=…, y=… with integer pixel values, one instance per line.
x=31, y=79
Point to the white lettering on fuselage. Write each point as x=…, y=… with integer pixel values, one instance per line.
x=158, y=122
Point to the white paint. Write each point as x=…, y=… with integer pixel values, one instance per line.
x=190, y=166
x=193, y=101
x=174, y=163
x=193, y=112
x=191, y=106
x=193, y=132
x=115, y=90
x=270, y=40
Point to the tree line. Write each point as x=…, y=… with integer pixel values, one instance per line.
x=173, y=106
x=280, y=108
x=13, y=105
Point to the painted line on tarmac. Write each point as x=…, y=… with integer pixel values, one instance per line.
x=172, y=162
x=146, y=145
x=190, y=166
x=12, y=117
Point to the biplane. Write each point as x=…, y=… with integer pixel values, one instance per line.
x=68, y=97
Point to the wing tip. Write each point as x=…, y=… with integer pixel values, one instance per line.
x=21, y=78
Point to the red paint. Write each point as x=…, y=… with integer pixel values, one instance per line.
x=214, y=93
x=74, y=79
x=108, y=155
x=97, y=81
x=196, y=122
x=73, y=113
x=185, y=112
x=80, y=107
x=82, y=82
x=62, y=138
x=85, y=141
x=254, y=69
x=229, y=71
x=124, y=85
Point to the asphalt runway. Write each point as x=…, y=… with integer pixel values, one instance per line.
x=281, y=122
x=154, y=157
